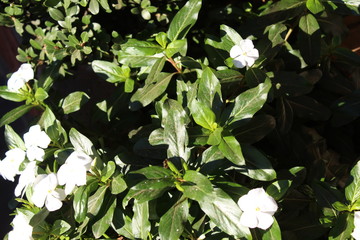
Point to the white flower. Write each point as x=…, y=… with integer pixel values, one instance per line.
x=45, y=191
x=36, y=141
x=20, y=77
x=244, y=54
x=73, y=172
x=9, y=166
x=258, y=209
x=21, y=228
x=356, y=233
x=26, y=178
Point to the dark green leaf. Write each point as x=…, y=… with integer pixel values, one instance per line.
x=255, y=76
x=273, y=232
x=258, y=166
x=111, y=71
x=171, y=224
x=96, y=200
x=74, y=101
x=184, y=20
x=196, y=186
x=14, y=114
x=343, y=228
x=308, y=108
x=155, y=172
x=309, y=39
x=56, y=14
x=80, y=203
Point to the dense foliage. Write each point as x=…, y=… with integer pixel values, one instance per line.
x=147, y=122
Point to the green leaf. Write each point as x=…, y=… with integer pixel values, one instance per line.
x=108, y=171
x=140, y=222
x=129, y=85
x=343, y=228
x=105, y=5
x=203, y=115
x=258, y=166
x=177, y=46
x=201, y=188
x=144, y=96
x=141, y=48
x=184, y=20
x=94, y=7
x=118, y=184
x=171, y=224
x=174, y=120
x=309, y=39
x=352, y=190
x=248, y=103
x=11, y=96
x=231, y=149
x=209, y=91
x=278, y=189
x=161, y=38
x=155, y=172
x=60, y=227
x=100, y=227
x=41, y=94
x=148, y=190
x=12, y=139
x=80, y=142
x=135, y=60
x=215, y=137
x=74, y=101
x=80, y=203
x=273, y=232
x=110, y=71
x=275, y=32
x=56, y=14
x=96, y=200
x=315, y=6
x=14, y=114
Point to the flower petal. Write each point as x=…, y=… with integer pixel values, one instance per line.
x=246, y=45
x=247, y=203
x=35, y=153
x=235, y=51
x=27, y=177
x=52, y=203
x=265, y=220
x=239, y=62
x=249, y=219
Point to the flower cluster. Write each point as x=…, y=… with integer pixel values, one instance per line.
x=46, y=188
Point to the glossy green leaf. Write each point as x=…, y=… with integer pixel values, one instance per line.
x=177, y=46
x=209, y=91
x=100, y=227
x=141, y=48
x=344, y=226
x=273, y=232
x=276, y=33
x=196, y=186
x=56, y=14
x=118, y=184
x=257, y=165
x=184, y=20
x=14, y=114
x=203, y=115
x=155, y=172
x=12, y=139
x=108, y=171
x=74, y=101
x=174, y=120
x=315, y=6
x=11, y=96
x=135, y=60
x=171, y=225
x=94, y=7
x=96, y=200
x=278, y=189
x=140, y=222
x=145, y=95
x=248, y=103
x=352, y=190
x=155, y=71
x=41, y=94
x=80, y=203
x=231, y=149
x=80, y=142
x=60, y=227
x=111, y=71
x=148, y=190
x=255, y=76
